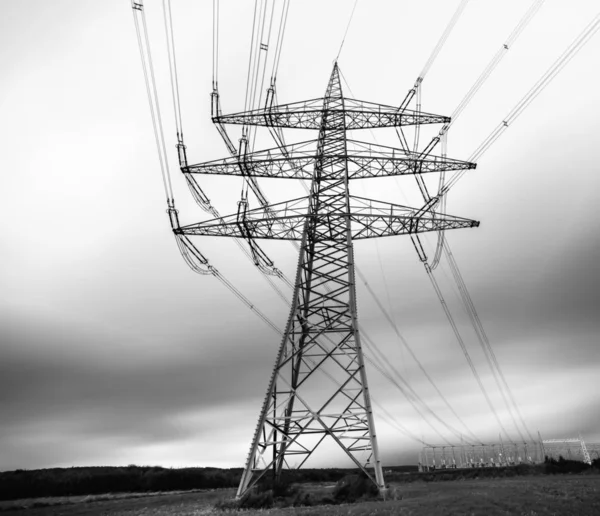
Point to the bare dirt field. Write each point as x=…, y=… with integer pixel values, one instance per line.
x=543, y=495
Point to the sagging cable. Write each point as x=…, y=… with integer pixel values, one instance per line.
x=580, y=41
x=437, y=49
x=168, y=22
x=500, y=54
x=410, y=393
x=411, y=352
x=194, y=258
x=484, y=76
x=510, y=403
x=406, y=395
x=215, y=49
x=141, y=29
x=257, y=255
x=434, y=53
x=278, y=46
x=423, y=257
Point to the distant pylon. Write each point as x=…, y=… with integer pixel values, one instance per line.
x=321, y=335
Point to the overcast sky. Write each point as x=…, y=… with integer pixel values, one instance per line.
x=113, y=352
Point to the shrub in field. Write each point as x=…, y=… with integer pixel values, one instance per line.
x=282, y=488
x=563, y=466
x=526, y=469
x=303, y=500
x=227, y=504
x=257, y=500
x=354, y=487
x=309, y=500
x=268, y=493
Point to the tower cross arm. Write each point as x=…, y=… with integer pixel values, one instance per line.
x=297, y=161
x=368, y=219
x=309, y=115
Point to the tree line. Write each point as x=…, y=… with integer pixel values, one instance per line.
x=105, y=479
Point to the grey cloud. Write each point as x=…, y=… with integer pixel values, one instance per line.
x=113, y=394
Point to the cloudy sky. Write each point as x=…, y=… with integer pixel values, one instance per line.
x=113, y=352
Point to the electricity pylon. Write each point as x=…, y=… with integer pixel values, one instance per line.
x=321, y=335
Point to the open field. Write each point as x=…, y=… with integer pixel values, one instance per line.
x=543, y=495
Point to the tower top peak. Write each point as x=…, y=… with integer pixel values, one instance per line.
x=334, y=87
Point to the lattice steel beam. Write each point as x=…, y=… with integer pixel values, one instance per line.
x=357, y=114
x=365, y=160
x=369, y=219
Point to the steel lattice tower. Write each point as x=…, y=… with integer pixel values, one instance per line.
x=321, y=334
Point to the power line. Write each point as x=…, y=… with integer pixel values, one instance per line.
x=346, y=31
x=215, y=52
x=496, y=59
x=193, y=257
x=278, y=46
x=588, y=32
x=148, y=69
x=462, y=345
x=394, y=326
x=408, y=391
x=437, y=49
x=485, y=343
x=168, y=21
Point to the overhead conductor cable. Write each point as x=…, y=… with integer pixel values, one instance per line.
x=483, y=77
x=416, y=91
x=193, y=257
x=443, y=245
x=259, y=257
x=401, y=338
x=588, y=32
